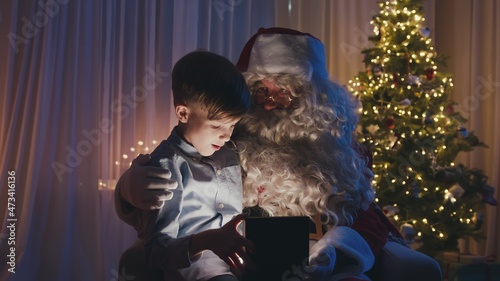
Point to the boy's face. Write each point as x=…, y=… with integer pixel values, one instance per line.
x=206, y=135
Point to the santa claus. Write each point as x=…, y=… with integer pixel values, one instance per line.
x=297, y=150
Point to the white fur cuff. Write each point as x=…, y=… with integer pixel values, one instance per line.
x=350, y=243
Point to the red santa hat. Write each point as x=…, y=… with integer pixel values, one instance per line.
x=282, y=50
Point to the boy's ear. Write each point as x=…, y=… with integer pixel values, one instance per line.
x=182, y=113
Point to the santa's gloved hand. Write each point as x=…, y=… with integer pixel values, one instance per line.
x=321, y=261
x=145, y=187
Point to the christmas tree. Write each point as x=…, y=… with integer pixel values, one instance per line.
x=408, y=121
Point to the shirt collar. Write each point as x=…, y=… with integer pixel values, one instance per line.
x=188, y=149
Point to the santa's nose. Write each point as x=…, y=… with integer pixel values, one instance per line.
x=269, y=103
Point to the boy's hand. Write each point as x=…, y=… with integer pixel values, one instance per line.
x=228, y=244
x=146, y=187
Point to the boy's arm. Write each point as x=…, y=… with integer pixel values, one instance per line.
x=142, y=187
x=170, y=252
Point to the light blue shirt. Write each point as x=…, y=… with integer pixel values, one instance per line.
x=209, y=194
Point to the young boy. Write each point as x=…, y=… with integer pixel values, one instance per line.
x=195, y=235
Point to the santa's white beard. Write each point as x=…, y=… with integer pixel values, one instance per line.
x=288, y=172
x=279, y=180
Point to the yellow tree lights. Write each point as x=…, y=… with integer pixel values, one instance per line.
x=408, y=121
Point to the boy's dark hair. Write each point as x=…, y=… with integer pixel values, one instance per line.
x=211, y=81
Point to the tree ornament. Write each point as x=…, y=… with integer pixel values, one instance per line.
x=424, y=31
x=415, y=190
x=449, y=109
x=372, y=129
x=395, y=79
x=378, y=33
x=408, y=232
x=390, y=210
x=429, y=73
x=462, y=132
x=414, y=80
x=377, y=70
x=428, y=120
x=487, y=195
x=393, y=140
x=390, y=123
x=454, y=193
x=368, y=69
x=434, y=164
x=404, y=103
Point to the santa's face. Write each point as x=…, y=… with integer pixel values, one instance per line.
x=282, y=108
x=271, y=96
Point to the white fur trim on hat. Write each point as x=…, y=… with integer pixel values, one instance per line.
x=300, y=55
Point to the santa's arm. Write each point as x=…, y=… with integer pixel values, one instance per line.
x=142, y=188
x=374, y=228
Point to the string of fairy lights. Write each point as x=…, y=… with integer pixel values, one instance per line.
x=141, y=147
x=124, y=160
